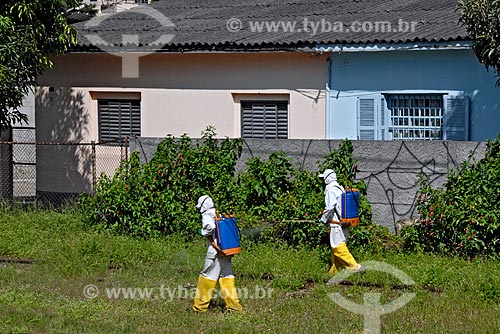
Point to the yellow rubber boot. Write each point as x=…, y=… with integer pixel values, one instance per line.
x=336, y=265
x=204, y=290
x=230, y=294
x=342, y=258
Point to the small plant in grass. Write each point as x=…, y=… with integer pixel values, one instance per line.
x=374, y=239
x=462, y=217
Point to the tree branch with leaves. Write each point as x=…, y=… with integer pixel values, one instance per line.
x=482, y=19
x=31, y=31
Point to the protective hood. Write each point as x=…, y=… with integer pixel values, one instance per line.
x=329, y=176
x=205, y=203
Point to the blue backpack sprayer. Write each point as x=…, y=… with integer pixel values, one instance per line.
x=228, y=234
x=350, y=207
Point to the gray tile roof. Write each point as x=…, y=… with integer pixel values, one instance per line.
x=184, y=25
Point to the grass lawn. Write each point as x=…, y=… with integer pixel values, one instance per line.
x=286, y=289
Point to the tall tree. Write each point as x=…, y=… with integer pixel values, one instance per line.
x=30, y=32
x=482, y=19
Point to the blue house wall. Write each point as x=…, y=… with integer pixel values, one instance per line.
x=450, y=71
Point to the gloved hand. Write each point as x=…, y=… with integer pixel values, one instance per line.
x=200, y=231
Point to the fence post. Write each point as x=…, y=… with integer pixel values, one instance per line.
x=94, y=169
x=6, y=165
x=126, y=147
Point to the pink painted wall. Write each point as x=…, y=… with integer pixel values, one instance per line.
x=181, y=93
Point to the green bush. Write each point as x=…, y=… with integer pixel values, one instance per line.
x=462, y=217
x=297, y=211
x=263, y=183
x=159, y=197
x=294, y=215
x=269, y=195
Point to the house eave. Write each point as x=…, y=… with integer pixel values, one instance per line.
x=384, y=47
x=271, y=47
x=195, y=48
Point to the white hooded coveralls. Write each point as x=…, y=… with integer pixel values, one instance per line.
x=215, y=266
x=333, y=208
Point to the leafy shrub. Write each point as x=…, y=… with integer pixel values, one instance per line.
x=159, y=197
x=264, y=182
x=296, y=212
x=463, y=216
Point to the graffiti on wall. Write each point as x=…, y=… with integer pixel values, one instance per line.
x=390, y=169
x=396, y=185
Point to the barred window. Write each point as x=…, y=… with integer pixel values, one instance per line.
x=416, y=116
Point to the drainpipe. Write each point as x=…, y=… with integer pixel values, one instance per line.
x=328, y=88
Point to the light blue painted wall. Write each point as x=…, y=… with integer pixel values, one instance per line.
x=353, y=74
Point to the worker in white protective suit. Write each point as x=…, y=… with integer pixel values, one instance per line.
x=341, y=256
x=217, y=266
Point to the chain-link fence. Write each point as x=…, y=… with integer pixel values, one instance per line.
x=54, y=173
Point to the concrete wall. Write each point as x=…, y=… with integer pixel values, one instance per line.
x=388, y=168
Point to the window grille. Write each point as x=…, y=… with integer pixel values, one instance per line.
x=416, y=116
x=264, y=119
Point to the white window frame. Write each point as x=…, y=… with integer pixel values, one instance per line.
x=374, y=117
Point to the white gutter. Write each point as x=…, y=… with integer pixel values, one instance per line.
x=454, y=45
